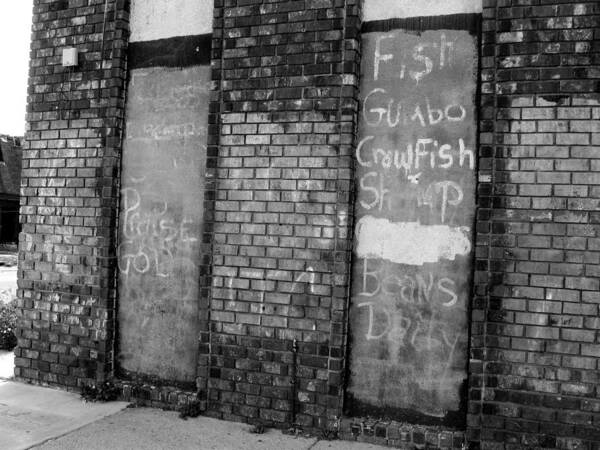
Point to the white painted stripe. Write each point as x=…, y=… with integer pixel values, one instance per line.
x=410, y=242
x=400, y=9
x=162, y=19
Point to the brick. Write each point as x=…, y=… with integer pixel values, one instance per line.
x=282, y=120
x=563, y=272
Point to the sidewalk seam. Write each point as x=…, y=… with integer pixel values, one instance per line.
x=314, y=444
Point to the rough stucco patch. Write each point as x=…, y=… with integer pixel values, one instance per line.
x=410, y=242
x=161, y=19
x=399, y=9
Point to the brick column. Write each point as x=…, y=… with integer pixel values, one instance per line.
x=69, y=194
x=285, y=106
x=535, y=345
x=483, y=276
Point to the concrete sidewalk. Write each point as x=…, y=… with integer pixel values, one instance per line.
x=152, y=429
x=30, y=415
x=48, y=419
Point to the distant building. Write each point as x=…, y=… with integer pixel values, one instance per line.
x=10, y=181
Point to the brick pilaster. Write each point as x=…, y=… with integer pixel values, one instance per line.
x=69, y=193
x=287, y=75
x=534, y=371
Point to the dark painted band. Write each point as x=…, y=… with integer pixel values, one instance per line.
x=470, y=22
x=180, y=51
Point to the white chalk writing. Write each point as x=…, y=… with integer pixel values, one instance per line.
x=380, y=109
x=151, y=239
x=439, y=197
x=415, y=158
x=418, y=155
x=423, y=60
x=416, y=330
x=167, y=96
x=418, y=289
x=306, y=277
x=168, y=131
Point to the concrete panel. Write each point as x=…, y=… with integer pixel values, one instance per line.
x=161, y=19
x=161, y=219
x=414, y=212
x=400, y=9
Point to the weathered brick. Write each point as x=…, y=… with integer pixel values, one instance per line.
x=558, y=254
x=285, y=216
x=69, y=198
x=282, y=123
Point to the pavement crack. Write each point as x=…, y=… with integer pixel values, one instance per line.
x=313, y=445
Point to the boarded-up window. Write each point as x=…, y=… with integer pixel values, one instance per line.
x=161, y=217
x=415, y=209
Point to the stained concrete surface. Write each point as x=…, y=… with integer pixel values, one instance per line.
x=30, y=415
x=152, y=429
x=46, y=419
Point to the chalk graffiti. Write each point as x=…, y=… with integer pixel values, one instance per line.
x=304, y=278
x=276, y=281
x=160, y=221
x=407, y=334
x=155, y=256
x=152, y=222
x=162, y=97
x=379, y=109
x=418, y=289
x=307, y=276
x=416, y=65
x=342, y=218
x=168, y=131
x=444, y=188
x=153, y=242
x=423, y=153
x=418, y=330
x=415, y=162
x=440, y=198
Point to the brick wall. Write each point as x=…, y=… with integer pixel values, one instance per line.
x=279, y=197
x=535, y=341
x=285, y=110
x=69, y=193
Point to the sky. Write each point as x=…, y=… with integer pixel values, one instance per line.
x=15, y=36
